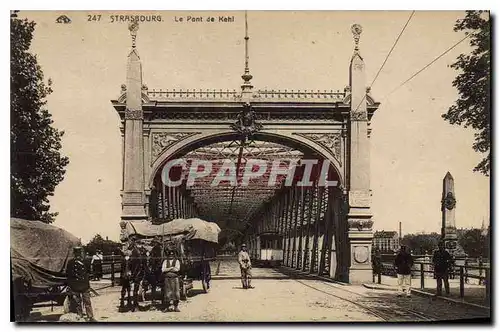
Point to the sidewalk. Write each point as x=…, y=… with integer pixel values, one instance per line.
x=473, y=294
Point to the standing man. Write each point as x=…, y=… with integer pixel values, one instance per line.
x=155, y=264
x=136, y=272
x=376, y=264
x=442, y=262
x=245, y=267
x=171, y=267
x=125, y=276
x=403, y=264
x=78, y=282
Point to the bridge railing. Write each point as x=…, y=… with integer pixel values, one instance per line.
x=481, y=272
x=231, y=95
x=111, y=267
x=178, y=94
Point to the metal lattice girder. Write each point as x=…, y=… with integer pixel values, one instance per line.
x=242, y=203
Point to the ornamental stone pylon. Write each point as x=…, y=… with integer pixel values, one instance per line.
x=359, y=218
x=133, y=197
x=448, y=206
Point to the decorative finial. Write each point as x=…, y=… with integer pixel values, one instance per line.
x=356, y=30
x=133, y=27
x=246, y=76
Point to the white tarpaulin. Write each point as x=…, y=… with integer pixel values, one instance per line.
x=192, y=229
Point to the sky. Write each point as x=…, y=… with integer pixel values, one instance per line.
x=412, y=147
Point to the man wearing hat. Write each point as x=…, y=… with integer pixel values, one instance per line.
x=155, y=263
x=403, y=264
x=171, y=267
x=136, y=272
x=78, y=282
x=245, y=267
x=442, y=261
x=125, y=278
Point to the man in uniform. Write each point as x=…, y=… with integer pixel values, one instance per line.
x=78, y=282
x=245, y=267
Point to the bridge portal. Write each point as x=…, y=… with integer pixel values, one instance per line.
x=258, y=135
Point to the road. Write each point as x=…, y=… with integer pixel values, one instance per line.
x=279, y=298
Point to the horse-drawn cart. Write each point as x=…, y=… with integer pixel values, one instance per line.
x=194, y=240
x=38, y=253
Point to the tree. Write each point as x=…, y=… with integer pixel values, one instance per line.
x=473, y=242
x=472, y=108
x=421, y=243
x=37, y=166
x=106, y=246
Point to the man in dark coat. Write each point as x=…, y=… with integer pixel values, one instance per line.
x=78, y=282
x=403, y=264
x=125, y=276
x=376, y=264
x=155, y=262
x=442, y=261
x=136, y=272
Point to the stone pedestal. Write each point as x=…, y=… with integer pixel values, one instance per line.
x=360, y=236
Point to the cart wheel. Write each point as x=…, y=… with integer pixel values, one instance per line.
x=204, y=283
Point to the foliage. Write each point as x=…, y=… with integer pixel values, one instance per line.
x=106, y=246
x=36, y=163
x=421, y=243
x=473, y=242
x=473, y=107
x=228, y=247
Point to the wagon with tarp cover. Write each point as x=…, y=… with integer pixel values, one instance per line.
x=39, y=253
x=194, y=239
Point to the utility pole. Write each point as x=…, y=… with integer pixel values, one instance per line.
x=400, y=237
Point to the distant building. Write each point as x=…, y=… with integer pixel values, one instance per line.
x=386, y=241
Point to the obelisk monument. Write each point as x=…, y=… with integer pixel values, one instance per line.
x=448, y=205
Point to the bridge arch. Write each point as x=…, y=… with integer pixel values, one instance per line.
x=197, y=140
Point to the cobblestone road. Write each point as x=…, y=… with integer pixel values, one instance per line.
x=279, y=298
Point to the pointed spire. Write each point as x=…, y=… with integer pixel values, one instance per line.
x=134, y=72
x=246, y=76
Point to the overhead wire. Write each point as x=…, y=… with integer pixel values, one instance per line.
x=392, y=48
x=387, y=56
x=427, y=65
